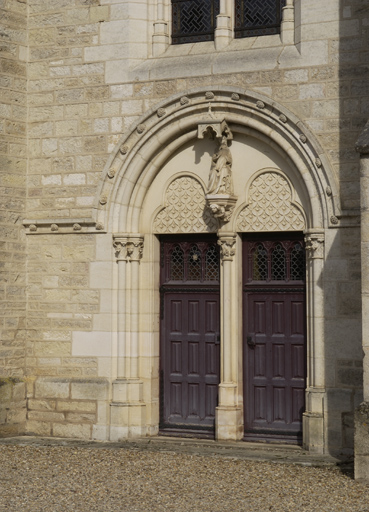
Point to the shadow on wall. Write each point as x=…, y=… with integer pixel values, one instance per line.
x=342, y=275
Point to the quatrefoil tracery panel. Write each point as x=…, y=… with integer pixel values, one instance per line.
x=270, y=206
x=185, y=209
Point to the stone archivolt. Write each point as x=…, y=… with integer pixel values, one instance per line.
x=185, y=209
x=270, y=206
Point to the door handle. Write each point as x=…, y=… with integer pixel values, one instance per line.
x=217, y=338
x=251, y=343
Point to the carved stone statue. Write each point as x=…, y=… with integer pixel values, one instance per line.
x=220, y=178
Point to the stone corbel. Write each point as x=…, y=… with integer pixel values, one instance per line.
x=128, y=247
x=221, y=206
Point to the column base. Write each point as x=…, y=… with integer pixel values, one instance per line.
x=127, y=421
x=160, y=39
x=228, y=423
x=362, y=442
x=313, y=432
x=127, y=410
x=223, y=34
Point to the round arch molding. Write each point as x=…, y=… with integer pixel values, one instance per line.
x=127, y=179
x=142, y=152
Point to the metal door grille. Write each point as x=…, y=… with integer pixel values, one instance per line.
x=258, y=17
x=193, y=20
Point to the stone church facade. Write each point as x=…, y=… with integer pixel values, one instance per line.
x=181, y=228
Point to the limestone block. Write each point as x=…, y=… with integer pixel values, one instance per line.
x=38, y=428
x=328, y=108
x=83, y=162
x=80, y=253
x=313, y=432
x=76, y=110
x=90, y=389
x=94, y=144
x=52, y=179
x=228, y=423
x=51, y=348
x=49, y=146
x=72, y=430
x=66, y=128
x=116, y=71
x=308, y=91
x=88, y=69
x=41, y=405
x=76, y=406
x=296, y=75
x=45, y=113
x=69, y=95
x=313, y=53
x=80, y=417
x=74, y=179
x=51, y=388
x=57, y=335
x=100, y=433
x=99, y=13
x=18, y=391
x=106, y=52
x=71, y=145
x=46, y=416
x=97, y=93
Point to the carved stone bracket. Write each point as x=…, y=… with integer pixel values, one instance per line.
x=128, y=247
x=314, y=245
x=227, y=246
x=221, y=205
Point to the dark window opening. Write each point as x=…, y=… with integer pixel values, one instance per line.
x=193, y=20
x=258, y=17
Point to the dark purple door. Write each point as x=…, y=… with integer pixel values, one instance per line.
x=274, y=337
x=189, y=334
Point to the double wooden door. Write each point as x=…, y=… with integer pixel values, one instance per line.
x=274, y=348
x=274, y=327
x=189, y=334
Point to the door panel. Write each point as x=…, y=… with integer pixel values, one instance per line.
x=191, y=370
x=274, y=341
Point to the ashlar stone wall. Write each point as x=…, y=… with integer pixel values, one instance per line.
x=91, y=75
x=13, y=163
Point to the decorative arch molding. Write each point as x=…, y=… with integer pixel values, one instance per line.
x=142, y=152
x=185, y=209
x=270, y=205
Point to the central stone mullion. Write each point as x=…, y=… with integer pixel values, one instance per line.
x=228, y=423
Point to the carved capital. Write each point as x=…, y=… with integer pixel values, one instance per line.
x=227, y=246
x=314, y=245
x=128, y=247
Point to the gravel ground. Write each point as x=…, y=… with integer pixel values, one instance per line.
x=86, y=479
